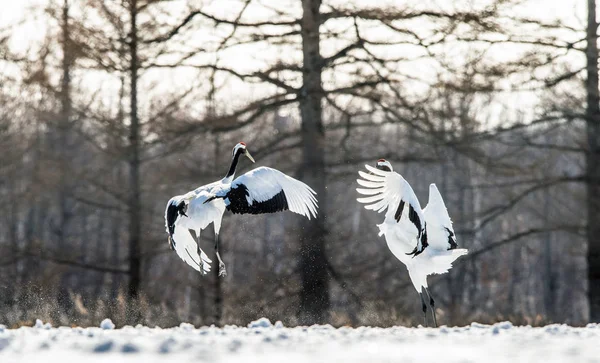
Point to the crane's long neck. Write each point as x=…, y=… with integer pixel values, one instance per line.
x=233, y=166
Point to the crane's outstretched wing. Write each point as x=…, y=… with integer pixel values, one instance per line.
x=389, y=190
x=266, y=190
x=439, y=224
x=180, y=238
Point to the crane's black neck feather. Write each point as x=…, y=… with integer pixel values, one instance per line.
x=174, y=210
x=171, y=217
x=234, y=163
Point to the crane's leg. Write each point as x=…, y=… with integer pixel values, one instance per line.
x=196, y=237
x=217, y=226
x=201, y=263
x=222, y=271
x=432, y=306
x=424, y=306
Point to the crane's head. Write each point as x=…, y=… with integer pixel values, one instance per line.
x=239, y=149
x=384, y=165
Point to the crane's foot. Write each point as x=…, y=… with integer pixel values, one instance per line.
x=222, y=271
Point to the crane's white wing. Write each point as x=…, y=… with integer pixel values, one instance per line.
x=196, y=216
x=176, y=220
x=188, y=250
x=439, y=225
x=389, y=190
x=266, y=190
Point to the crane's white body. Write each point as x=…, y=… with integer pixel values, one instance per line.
x=387, y=190
x=201, y=214
x=429, y=262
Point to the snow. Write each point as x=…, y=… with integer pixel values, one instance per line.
x=107, y=324
x=40, y=324
x=260, y=323
x=263, y=342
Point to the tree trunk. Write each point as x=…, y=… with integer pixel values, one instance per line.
x=117, y=217
x=63, y=128
x=134, y=207
x=63, y=155
x=593, y=164
x=314, y=295
x=549, y=273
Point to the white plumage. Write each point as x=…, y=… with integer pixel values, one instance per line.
x=422, y=239
x=188, y=249
x=197, y=217
x=262, y=190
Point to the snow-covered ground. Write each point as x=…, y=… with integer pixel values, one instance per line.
x=263, y=342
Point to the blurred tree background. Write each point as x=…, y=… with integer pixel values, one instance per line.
x=110, y=107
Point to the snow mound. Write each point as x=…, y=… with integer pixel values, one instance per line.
x=498, y=327
x=186, y=326
x=504, y=325
x=260, y=323
x=40, y=325
x=263, y=342
x=107, y=324
x=479, y=325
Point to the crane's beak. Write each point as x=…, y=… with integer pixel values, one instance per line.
x=249, y=156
